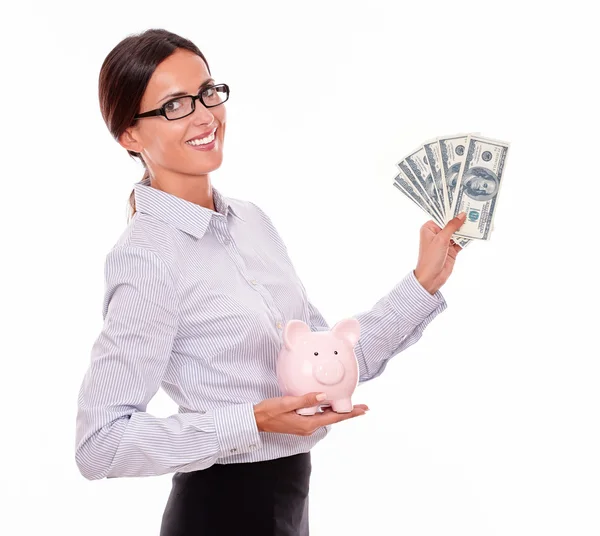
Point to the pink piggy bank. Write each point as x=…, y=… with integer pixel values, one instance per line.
x=322, y=361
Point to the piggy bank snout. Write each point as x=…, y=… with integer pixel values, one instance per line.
x=330, y=372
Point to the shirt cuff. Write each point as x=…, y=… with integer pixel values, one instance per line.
x=236, y=429
x=412, y=302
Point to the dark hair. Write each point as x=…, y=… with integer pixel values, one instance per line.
x=124, y=75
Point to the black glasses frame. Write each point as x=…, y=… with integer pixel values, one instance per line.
x=162, y=110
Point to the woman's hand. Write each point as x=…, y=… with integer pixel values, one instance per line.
x=279, y=415
x=437, y=253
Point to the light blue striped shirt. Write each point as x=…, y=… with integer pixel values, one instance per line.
x=195, y=302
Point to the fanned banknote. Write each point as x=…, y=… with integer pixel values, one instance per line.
x=431, y=176
x=478, y=186
x=434, y=159
x=407, y=187
x=417, y=161
x=420, y=186
x=452, y=154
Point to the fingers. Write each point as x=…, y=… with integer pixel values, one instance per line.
x=291, y=403
x=330, y=417
x=456, y=248
x=452, y=226
x=431, y=226
x=357, y=406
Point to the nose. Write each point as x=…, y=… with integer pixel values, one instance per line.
x=202, y=113
x=329, y=373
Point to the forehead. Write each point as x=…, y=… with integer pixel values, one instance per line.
x=181, y=71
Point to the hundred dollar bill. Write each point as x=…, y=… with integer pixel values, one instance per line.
x=434, y=159
x=417, y=161
x=421, y=188
x=461, y=241
x=397, y=185
x=478, y=185
x=406, y=187
x=452, y=152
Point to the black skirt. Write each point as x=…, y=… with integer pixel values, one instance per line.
x=267, y=498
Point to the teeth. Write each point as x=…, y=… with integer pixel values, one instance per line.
x=203, y=141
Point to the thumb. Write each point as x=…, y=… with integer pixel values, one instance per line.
x=452, y=226
x=305, y=401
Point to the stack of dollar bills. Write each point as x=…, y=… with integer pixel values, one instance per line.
x=452, y=174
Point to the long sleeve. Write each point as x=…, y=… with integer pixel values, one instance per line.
x=396, y=322
x=115, y=436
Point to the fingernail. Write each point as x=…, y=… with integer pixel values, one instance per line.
x=462, y=215
x=321, y=396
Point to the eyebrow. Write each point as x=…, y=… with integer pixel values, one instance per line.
x=182, y=93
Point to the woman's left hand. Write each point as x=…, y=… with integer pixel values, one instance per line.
x=437, y=253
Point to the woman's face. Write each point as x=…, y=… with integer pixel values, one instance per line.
x=162, y=143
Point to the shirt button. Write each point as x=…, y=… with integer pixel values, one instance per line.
x=254, y=282
x=253, y=446
x=279, y=325
x=233, y=450
x=227, y=241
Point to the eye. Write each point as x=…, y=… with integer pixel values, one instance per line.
x=335, y=352
x=171, y=106
x=316, y=353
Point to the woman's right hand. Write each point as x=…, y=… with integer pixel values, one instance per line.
x=279, y=415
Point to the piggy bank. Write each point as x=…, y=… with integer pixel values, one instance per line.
x=321, y=361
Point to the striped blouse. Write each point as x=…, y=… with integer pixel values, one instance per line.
x=195, y=302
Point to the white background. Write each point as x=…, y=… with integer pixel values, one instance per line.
x=489, y=425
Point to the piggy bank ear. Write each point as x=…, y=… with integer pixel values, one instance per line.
x=348, y=330
x=293, y=330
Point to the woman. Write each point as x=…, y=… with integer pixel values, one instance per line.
x=198, y=289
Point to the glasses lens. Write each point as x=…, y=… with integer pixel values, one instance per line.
x=211, y=96
x=215, y=95
x=178, y=107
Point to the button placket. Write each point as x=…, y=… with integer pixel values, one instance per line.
x=268, y=299
x=225, y=238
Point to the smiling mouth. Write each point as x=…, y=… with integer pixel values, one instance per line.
x=203, y=141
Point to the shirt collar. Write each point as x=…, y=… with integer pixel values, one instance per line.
x=184, y=215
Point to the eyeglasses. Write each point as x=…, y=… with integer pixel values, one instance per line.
x=180, y=107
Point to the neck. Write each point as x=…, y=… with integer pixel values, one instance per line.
x=195, y=189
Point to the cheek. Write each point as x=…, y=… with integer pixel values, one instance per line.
x=165, y=141
x=221, y=117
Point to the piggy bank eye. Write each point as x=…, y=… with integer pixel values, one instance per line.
x=335, y=352
x=316, y=353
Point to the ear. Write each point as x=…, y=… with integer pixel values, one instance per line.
x=129, y=141
x=293, y=330
x=348, y=330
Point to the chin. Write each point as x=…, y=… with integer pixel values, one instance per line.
x=209, y=165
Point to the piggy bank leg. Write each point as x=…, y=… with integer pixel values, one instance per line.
x=343, y=405
x=307, y=411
